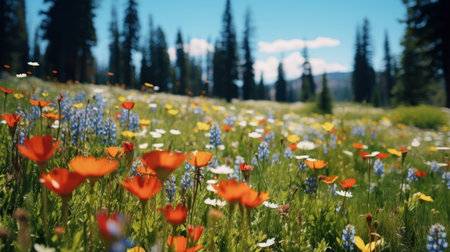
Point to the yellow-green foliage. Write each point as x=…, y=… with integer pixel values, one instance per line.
x=423, y=116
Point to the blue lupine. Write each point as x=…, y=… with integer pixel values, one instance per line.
x=198, y=110
x=287, y=153
x=311, y=184
x=80, y=97
x=435, y=167
x=269, y=137
x=134, y=122
x=254, y=162
x=333, y=141
x=436, y=238
x=325, y=149
x=302, y=167
x=263, y=151
x=411, y=175
x=446, y=179
x=378, y=168
x=109, y=132
x=358, y=131
x=215, y=138
x=275, y=158
x=186, y=179
x=170, y=188
x=348, y=237
x=230, y=120
x=269, y=114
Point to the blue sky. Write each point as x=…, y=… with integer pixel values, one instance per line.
x=288, y=22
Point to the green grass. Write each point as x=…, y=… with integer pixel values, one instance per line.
x=423, y=116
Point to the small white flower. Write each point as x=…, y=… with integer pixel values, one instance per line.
x=155, y=134
x=301, y=157
x=232, y=107
x=270, y=205
x=234, y=144
x=259, y=130
x=310, y=159
x=42, y=248
x=142, y=132
x=221, y=147
x=175, y=132
x=270, y=120
x=143, y=146
x=211, y=181
x=156, y=88
x=207, y=134
x=267, y=243
x=306, y=145
x=215, y=202
x=211, y=189
x=242, y=123
x=249, y=111
x=160, y=131
x=21, y=75
x=98, y=90
x=209, y=146
x=3, y=122
x=348, y=153
x=33, y=64
x=157, y=145
x=373, y=154
x=153, y=105
x=254, y=124
x=415, y=142
x=345, y=194
x=55, y=124
x=221, y=169
x=442, y=148
x=365, y=147
x=254, y=135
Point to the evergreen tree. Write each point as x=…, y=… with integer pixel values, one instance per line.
x=218, y=71
x=325, y=103
x=114, y=48
x=144, y=66
x=308, y=89
x=182, y=79
x=209, y=70
x=36, y=53
x=151, y=52
x=161, y=61
x=248, y=72
x=230, y=57
x=363, y=78
x=130, y=42
x=428, y=21
x=280, y=85
x=388, y=72
x=196, y=78
x=261, y=89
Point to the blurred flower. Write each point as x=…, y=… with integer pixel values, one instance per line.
x=254, y=135
x=179, y=244
x=163, y=162
x=270, y=205
x=230, y=190
x=378, y=167
x=127, y=105
x=39, y=148
x=33, y=64
x=395, y=152
x=306, y=145
x=221, y=169
x=267, y=243
x=358, y=146
x=348, y=183
x=316, y=164
x=328, y=180
x=92, y=167
x=175, y=216
x=195, y=232
x=113, y=152
x=142, y=187
x=327, y=126
x=111, y=227
x=40, y=103
x=199, y=158
x=7, y=91
x=215, y=202
x=203, y=126
x=348, y=237
x=61, y=181
x=12, y=121
x=344, y=194
x=293, y=139
x=437, y=238
x=129, y=134
x=252, y=198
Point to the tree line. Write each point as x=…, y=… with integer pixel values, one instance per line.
x=416, y=76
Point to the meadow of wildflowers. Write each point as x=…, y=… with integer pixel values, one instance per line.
x=99, y=168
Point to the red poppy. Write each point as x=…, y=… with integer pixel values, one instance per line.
x=110, y=227
x=61, y=181
x=348, y=183
x=421, y=174
x=403, y=149
x=127, y=146
x=163, y=162
x=92, y=167
x=199, y=158
x=12, y=120
x=179, y=244
x=230, y=190
x=227, y=127
x=127, y=105
x=316, y=164
x=7, y=91
x=142, y=187
x=364, y=154
x=195, y=232
x=246, y=167
x=293, y=147
x=175, y=216
x=382, y=155
x=38, y=148
x=40, y=103
x=358, y=146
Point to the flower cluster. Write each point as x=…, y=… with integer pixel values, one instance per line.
x=436, y=238
x=378, y=168
x=348, y=237
x=311, y=184
x=263, y=151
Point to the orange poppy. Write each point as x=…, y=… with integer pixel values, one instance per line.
x=114, y=152
x=40, y=103
x=142, y=187
x=92, y=167
x=230, y=190
x=227, y=127
x=403, y=149
x=61, y=181
x=316, y=164
x=421, y=174
x=199, y=158
x=175, y=216
x=179, y=244
x=163, y=162
x=52, y=116
x=329, y=180
x=195, y=232
x=7, y=91
x=38, y=148
x=127, y=105
x=293, y=147
x=348, y=183
x=358, y=146
x=382, y=155
x=251, y=198
x=12, y=120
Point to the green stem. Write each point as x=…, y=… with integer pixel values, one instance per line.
x=44, y=204
x=142, y=228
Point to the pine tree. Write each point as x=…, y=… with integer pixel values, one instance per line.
x=261, y=89
x=248, y=72
x=280, y=85
x=161, y=61
x=325, y=103
x=182, y=79
x=230, y=57
x=218, y=71
x=388, y=72
x=130, y=42
x=114, y=48
x=308, y=89
x=36, y=52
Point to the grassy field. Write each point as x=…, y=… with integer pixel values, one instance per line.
x=306, y=207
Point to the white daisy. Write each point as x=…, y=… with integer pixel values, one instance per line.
x=270, y=205
x=175, y=132
x=221, y=169
x=345, y=194
x=254, y=135
x=267, y=243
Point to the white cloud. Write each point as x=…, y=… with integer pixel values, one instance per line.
x=292, y=66
x=196, y=47
x=281, y=45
